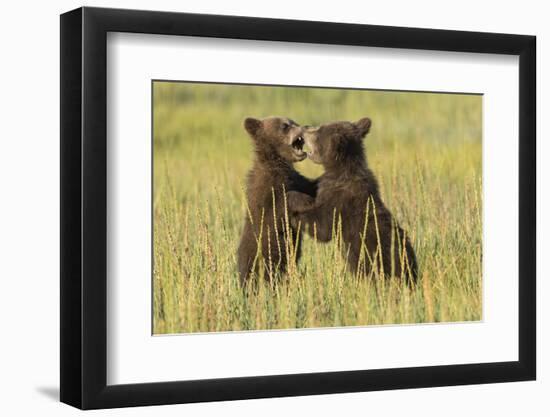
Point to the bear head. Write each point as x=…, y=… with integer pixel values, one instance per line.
x=336, y=143
x=277, y=138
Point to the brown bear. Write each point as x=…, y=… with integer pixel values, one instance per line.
x=269, y=240
x=348, y=199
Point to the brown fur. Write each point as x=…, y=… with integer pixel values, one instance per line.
x=344, y=191
x=277, y=146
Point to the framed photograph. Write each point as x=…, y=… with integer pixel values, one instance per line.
x=258, y=208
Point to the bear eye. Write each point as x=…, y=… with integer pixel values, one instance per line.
x=285, y=126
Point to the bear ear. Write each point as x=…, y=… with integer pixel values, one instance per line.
x=252, y=125
x=363, y=125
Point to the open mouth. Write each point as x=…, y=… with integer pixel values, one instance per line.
x=298, y=143
x=298, y=147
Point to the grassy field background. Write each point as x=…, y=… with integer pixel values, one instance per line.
x=425, y=150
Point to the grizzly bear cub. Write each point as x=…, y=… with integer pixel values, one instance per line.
x=348, y=200
x=268, y=239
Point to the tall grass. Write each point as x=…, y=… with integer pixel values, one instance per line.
x=425, y=150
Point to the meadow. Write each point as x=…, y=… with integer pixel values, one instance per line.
x=424, y=148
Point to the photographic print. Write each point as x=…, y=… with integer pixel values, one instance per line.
x=278, y=207
x=310, y=194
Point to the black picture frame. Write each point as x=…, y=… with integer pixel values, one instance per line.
x=84, y=207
